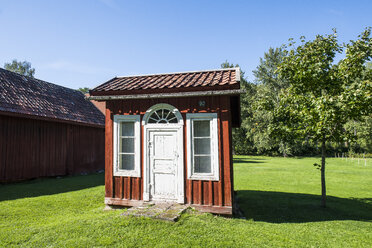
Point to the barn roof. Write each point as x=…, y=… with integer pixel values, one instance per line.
x=219, y=79
x=27, y=96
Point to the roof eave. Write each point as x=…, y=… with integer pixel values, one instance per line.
x=46, y=118
x=168, y=95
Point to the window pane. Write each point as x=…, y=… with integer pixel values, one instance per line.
x=162, y=116
x=127, y=145
x=202, y=128
x=202, y=164
x=160, y=113
x=202, y=146
x=126, y=162
x=127, y=129
x=166, y=113
x=172, y=118
x=151, y=120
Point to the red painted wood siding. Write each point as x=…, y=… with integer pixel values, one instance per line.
x=216, y=193
x=35, y=148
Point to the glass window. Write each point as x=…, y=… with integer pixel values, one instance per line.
x=202, y=146
x=202, y=128
x=127, y=145
x=202, y=140
x=126, y=161
x=202, y=164
x=163, y=116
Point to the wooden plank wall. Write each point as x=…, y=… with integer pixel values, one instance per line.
x=35, y=148
x=210, y=193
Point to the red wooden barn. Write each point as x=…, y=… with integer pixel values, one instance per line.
x=168, y=138
x=46, y=130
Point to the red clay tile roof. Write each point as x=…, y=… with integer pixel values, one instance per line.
x=181, y=81
x=30, y=96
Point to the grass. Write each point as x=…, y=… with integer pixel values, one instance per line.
x=279, y=197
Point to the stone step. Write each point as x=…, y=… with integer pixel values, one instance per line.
x=163, y=211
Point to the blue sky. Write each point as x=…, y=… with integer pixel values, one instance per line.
x=84, y=43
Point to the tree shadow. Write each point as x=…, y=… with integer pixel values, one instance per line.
x=49, y=186
x=280, y=207
x=246, y=161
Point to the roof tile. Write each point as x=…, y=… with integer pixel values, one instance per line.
x=31, y=96
x=221, y=77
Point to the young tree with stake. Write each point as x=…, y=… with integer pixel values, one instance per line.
x=323, y=95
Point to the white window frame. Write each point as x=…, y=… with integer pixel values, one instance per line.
x=136, y=119
x=215, y=172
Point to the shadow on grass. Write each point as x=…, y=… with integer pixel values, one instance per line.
x=49, y=186
x=279, y=207
x=244, y=161
x=248, y=160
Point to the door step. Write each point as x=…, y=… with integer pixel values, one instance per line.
x=163, y=211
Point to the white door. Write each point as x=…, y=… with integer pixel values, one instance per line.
x=163, y=165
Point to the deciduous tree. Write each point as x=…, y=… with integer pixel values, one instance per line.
x=323, y=95
x=20, y=67
x=84, y=90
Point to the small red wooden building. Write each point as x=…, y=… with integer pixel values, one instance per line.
x=47, y=130
x=168, y=138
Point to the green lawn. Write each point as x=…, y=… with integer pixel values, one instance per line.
x=279, y=197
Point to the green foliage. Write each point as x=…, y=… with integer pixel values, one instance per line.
x=257, y=132
x=324, y=96
x=253, y=137
x=277, y=196
x=362, y=131
x=267, y=89
x=84, y=90
x=242, y=142
x=266, y=74
x=23, y=68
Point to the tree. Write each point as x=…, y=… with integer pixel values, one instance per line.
x=363, y=132
x=323, y=95
x=242, y=142
x=361, y=129
x=266, y=74
x=23, y=68
x=268, y=87
x=84, y=90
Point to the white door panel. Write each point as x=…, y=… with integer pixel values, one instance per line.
x=163, y=165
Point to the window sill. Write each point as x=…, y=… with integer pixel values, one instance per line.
x=203, y=177
x=124, y=173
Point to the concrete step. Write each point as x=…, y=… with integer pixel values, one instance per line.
x=163, y=211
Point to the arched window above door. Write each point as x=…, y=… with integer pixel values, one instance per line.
x=162, y=114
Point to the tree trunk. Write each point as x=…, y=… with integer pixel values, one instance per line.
x=322, y=171
x=284, y=150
